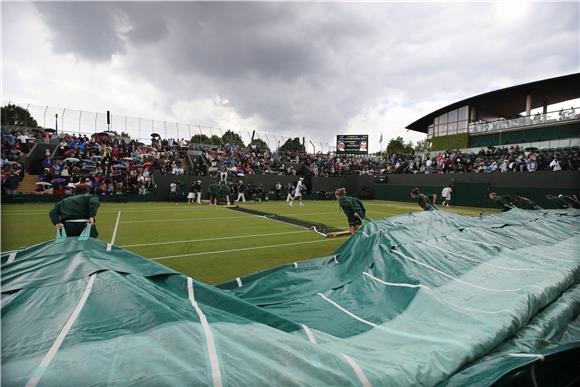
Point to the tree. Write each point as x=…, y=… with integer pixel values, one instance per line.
x=200, y=139
x=125, y=136
x=260, y=144
x=423, y=146
x=232, y=138
x=17, y=116
x=215, y=140
x=396, y=145
x=292, y=145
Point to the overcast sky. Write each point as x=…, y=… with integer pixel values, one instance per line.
x=298, y=69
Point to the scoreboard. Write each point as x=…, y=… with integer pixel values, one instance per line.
x=352, y=144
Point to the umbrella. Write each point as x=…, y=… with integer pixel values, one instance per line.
x=71, y=160
x=50, y=130
x=88, y=161
x=531, y=148
x=147, y=164
x=129, y=158
x=43, y=183
x=155, y=135
x=96, y=158
x=119, y=166
x=85, y=170
x=138, y=166
x=58, y=180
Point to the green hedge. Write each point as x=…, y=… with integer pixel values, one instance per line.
x=453, y=141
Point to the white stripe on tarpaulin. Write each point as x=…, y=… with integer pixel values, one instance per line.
x=110, y=245
x=461, y=281
x=295, y=264
x=309, y=334
x=239, y=281
x=11, y=257
x=39, y=372
x=395, y=283
x=500, y=311
x=358, y=371
x=213, y=358
x=484, y=262
x=528, y=355
x=346, y=311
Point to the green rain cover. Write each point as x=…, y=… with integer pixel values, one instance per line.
x=422, y=299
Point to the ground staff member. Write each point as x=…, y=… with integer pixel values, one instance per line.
x=75, y=212
x=353, y=208
x=423, y=200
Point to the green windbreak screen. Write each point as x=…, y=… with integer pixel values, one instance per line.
x=422, y=299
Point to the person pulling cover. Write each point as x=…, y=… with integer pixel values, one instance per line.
x=73, y=213
x=353, y=208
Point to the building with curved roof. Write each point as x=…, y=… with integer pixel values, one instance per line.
x=505, y=116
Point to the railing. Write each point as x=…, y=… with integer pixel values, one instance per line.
x=537, y=119
x=83, y=122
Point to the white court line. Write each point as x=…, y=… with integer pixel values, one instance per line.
x=358, y=371
x=460, y=280
x=216, y=239
x=211, y=348
x=110, y=245
x=241, y=249
x=346, y=311
x=183, y=219
x=214, y=218
x=39, y=372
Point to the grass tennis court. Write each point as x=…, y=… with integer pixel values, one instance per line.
x=211, y=244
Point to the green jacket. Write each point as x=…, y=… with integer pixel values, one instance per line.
x=75, y=207
x=350, y=206
x=214, y=189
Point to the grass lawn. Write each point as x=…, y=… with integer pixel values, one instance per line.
x=211, y=244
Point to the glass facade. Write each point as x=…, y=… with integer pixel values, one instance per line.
x=453, y=122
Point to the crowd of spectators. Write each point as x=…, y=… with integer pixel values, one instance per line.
x=492, y=159
x=111, y=164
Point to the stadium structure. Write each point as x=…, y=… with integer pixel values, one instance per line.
x=506, y=117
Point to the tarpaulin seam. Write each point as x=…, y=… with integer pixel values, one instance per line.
x=357, y=370
x=462, y=281
x=41, y=369
x=7, y=299
x=211, y=348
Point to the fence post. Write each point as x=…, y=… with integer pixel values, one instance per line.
x=189, y=133
x=80, y=116
x=126, y=125
x=139, y=138
x=25, y=116
x=96, y=116
x=45, y=110
x=165, y=126
x=62, y=120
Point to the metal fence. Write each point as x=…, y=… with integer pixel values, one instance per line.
x=87, y=123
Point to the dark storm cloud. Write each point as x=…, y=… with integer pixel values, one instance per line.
x=313, y=66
